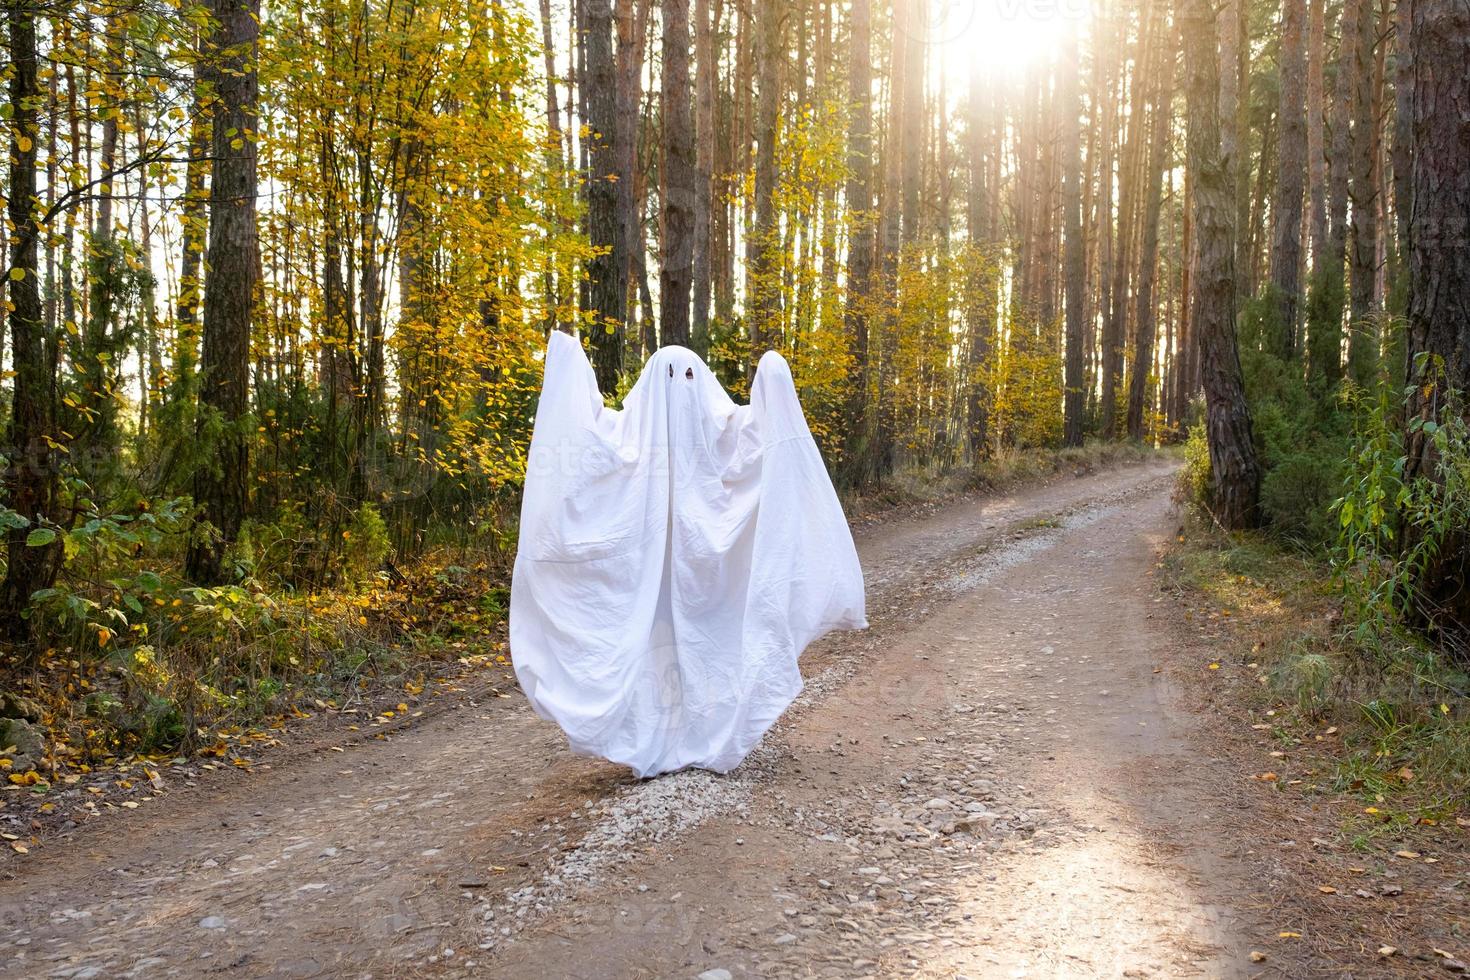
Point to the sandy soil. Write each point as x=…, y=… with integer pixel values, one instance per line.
x=995, y=780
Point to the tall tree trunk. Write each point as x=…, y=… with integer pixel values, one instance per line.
x=980, y=308
x=1328, y=283
x=1144, y=317
x=765, y=244
x=111, y=123
x=31, y=478
x=1230, y=25
x=1188, y=369
x=1291, y=156
x=862, y=235
x=554, y=160
x=1075, y=256
x=1115, y=326
x=890, y=236
x=1400, y=153
x=221, y=487
x=1255, y=234
x=707, y=76
x=632, y=26
x=194, y=222
x=1316, y=156
x=677, y=174
x=150, y=358
x=1439, y=274
x=1236, y=476
x=910, y=124
x=607, y=271
x=1363, y=192
x=1110, y=45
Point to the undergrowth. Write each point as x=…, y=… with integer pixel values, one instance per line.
x=136, y=661
x=1393, y=705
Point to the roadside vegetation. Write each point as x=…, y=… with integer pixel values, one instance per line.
x=1326, y=607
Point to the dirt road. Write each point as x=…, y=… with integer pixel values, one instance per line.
x=992, y=781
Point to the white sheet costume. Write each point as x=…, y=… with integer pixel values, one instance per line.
x=675, y=559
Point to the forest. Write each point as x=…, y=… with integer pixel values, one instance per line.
x=280, y=278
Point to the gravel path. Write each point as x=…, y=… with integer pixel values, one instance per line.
x=991, y=781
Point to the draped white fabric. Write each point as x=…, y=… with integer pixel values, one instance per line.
x=675, y=559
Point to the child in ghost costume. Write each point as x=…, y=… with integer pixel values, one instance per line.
x=675, y=559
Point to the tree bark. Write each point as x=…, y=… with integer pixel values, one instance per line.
x=862, y=235
x=1439, y=275
x=764, y=245
x=1115, y=326
x=1328, y=261
x=1291, y=157
x=221, y=486
x=678, y=177
x=194, y=222
x=31, y=477
x=980, y=311
x=1363, y=193
x=1236, y=476
x=1231, y=24
x=1144, y=317
x=910, y=124
x=1075, y=247
x=1316, y=156
x=608, y=270
x=632, y=28
x=707, y=75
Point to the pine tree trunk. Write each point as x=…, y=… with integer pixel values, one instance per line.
x=1439, y=274
x=221, y=489
x=1144, y=316
x=1400, y=152
x=1363, y=193
x=678, y=176
x=1075, y=247
x=632, y=28
x=910, y=124
x=862, y=235
x=1236, y=476
x=1187, y=372
x=194, y=221
x=765, y=244
x=31, y=479
x=890, y=235
x=150, y=358
x=1115, y=326
x=1286, y=210
x=980, y=308
x=1316, y=156
x=707, y=74
x=1328, y=283
x=1231, y=25
x=554, y=160
x=607, y=271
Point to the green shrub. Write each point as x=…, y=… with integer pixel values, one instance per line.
x=1302, y=442
x=1392, y=529
x=366, y=544
x=1195, y=474
x=1297, y=495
